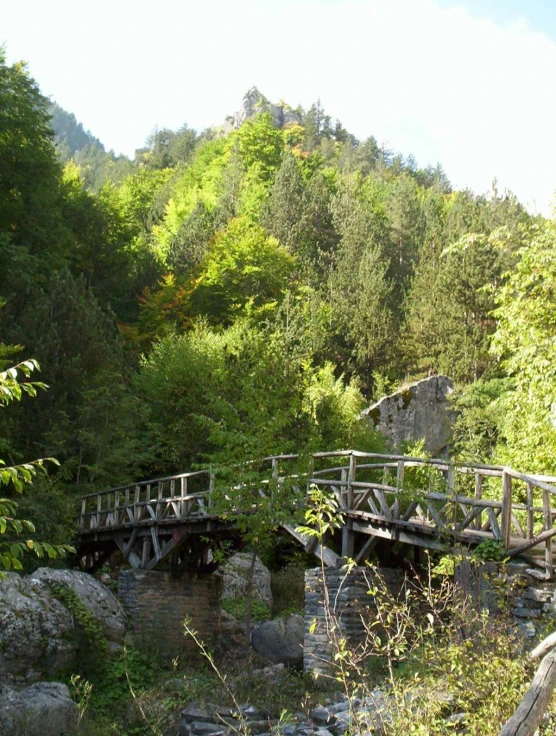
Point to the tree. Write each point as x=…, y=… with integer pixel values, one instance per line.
x=525, y=341
x=246, y=271
x=13, y=531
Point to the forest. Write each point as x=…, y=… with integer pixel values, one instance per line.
x=244, y=291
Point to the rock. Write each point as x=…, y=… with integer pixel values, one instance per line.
x=280, y=640
x=235, y=578
x=421, y=411
x=38, y=634
x=254, y=102
x=100, y=601
x=323, y=716
x=36, y=631
x=49, y=710
x=44, y=709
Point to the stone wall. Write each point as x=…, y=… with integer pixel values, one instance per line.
x=512, y=586
x=157, y=604
x=349, y=602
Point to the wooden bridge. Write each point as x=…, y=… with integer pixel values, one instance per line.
x=391, y=505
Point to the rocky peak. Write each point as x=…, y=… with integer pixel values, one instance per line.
x=254, y=102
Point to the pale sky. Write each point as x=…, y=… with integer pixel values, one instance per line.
x=468, y=84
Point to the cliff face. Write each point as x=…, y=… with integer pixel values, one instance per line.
x=254, y=102
x=421, y=411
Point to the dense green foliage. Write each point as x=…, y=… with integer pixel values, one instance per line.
x=240, y=292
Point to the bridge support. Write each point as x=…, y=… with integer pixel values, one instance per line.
x=349, y=606
x=158, y=602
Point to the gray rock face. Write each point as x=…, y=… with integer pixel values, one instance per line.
x=421, y=411
x=44, y=709
x=254, y=102
x=280, y=640
x=100, y=601
x=235, y=578
x=38, y=635
x=35, y=631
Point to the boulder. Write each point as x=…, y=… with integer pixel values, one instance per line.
x=280, y=640
x=97, y=599
x=36, y=631
x=38, y=634
x=421, y=411
x=44, y=709
x=235, y=578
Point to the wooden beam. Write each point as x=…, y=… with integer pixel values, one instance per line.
x=369, y=545
x=534, y=703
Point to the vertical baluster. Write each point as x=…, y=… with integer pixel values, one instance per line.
x=99, y=509
x=183, y=493
x=399, y=486
x=547, y=525
x=211, y=488
x=343, y=488
x=136, y=512
x=116, y=507
x=478, y=496
x=506, y=515
x=530, y=512
x=126, y=501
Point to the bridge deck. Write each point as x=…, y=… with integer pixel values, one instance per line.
x=415, y=501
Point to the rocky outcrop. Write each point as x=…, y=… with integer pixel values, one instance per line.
x=44, y=709
x=255, y=102
x=38, y=633
x=97, y=599
x=235, y=578
x=280, y=640
x=421, y=411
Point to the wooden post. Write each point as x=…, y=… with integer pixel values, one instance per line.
x=116, y=507
x=310, y=472
x=347, y=530
x=506, y=514
x=478, y=495
x=83, y=510
x=99, y=507
x=350, y=480
x=530, y=522
x=136, y=503
x=211, y=488
x=547, y=525
x=399, y=486
x=183, y=494
x=343, y=488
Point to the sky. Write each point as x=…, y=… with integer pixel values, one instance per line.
x=467, y=83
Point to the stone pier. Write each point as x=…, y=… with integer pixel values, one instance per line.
x=158, y=602
x=351, y=605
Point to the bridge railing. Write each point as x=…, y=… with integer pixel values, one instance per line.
x=468, y=502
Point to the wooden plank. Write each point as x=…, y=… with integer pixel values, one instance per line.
x=535, y=702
